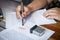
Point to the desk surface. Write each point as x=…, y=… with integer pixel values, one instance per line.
x=55, y=27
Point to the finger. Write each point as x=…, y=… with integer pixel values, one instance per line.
x=18, y=8
x=52, y=17
x=24, y=14
x=18, y=14
x=49, y=14
x=18, y=11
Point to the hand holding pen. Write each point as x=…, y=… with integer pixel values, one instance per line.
x=24, y=14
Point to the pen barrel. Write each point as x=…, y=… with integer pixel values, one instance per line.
x=21, y=11
x=22, y=7
x=22, y=18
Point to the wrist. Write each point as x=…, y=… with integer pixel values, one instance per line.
x=30, y=8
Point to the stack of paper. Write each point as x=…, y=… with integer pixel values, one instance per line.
x=15, y=30
x=19, y=33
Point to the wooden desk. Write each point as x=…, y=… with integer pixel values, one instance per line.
x=55, y=27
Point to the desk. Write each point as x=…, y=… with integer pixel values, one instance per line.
x=55, y=27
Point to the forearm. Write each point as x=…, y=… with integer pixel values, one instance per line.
x=37, y=4
x=49, y=1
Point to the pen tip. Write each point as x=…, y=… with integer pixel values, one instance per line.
x=22, y=24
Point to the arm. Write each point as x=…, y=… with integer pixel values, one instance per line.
x=36, y=4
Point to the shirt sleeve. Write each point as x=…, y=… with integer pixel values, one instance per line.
x=26, y=2
x=54, y=3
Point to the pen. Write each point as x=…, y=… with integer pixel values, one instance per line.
x=22, y=10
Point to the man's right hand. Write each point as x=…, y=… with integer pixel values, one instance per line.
x=24, y=14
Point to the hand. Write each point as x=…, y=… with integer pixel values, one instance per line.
x=24, y=14
x=53, y=13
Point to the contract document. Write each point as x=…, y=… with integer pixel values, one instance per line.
x=36, y=18
x=16, y=31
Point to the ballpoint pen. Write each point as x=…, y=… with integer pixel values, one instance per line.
x=22, y=10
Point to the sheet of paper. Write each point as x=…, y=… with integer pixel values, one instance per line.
x=23, y=34
x=13, y=35
x=39, y=19
x=26, y=31
x=36, y=18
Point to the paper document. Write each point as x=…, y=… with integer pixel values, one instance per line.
x=13, y=35
x=14, y=27
x=23, y=34
x=39, y=19
x=36, y=18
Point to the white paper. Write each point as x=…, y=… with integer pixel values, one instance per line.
x=36, y=18
x=39, y=19
x=13, y=35
x=23, y=34
x=15, y=30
